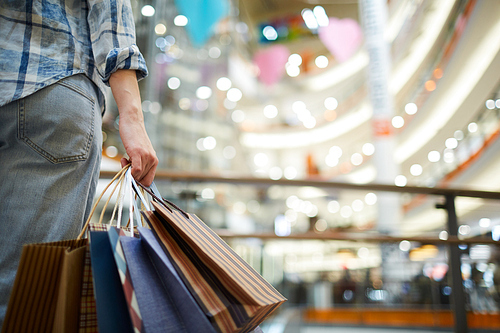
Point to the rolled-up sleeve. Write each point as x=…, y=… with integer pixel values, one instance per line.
x=112, y=34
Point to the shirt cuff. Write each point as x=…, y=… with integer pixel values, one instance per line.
x=125, y=58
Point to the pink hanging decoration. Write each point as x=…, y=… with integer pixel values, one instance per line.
x=271, y=63
x=341, y=37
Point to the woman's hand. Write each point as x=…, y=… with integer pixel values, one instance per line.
x=139, y=149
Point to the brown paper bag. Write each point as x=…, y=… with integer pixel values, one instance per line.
x=47, y=290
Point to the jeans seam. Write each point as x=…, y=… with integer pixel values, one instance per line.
x=41, y=151
x=77, y=89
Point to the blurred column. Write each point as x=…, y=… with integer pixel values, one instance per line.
x=373, y=19
x=151, y=119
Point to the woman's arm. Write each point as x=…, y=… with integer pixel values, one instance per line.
x=139, y=149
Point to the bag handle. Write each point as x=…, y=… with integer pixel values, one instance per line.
x=120, y=175
x=158, y=198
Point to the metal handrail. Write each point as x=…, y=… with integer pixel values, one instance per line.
x=316, y=182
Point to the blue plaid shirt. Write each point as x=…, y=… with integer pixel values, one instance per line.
x=43, y=41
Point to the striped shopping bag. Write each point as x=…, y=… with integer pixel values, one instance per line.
x=128, y=289
x=88, y=314
x=46, y=294
x=120, y=266
x=233, y=296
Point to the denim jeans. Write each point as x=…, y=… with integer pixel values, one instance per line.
x=50, y=153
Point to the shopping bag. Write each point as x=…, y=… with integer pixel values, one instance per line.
x=233, y=296
x=88, y=313
x=116, y=304
x=53, y=290
x=111, y=305
x=157, y=300
x=47, y=289
x=165, y=303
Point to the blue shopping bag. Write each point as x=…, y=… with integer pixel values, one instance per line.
x=165, y=303
x=111, y=306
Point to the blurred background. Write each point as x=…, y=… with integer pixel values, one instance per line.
x=301, y=95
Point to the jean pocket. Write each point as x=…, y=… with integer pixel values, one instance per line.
x=58, y=122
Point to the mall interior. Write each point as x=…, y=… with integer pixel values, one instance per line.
x=346, y=149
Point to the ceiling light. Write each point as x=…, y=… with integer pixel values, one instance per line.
x=309, y=19
x=331, y=160
x=270, y=111
x=261, y=159
x=333, y=206
x=112, y=151
x=174, y=83
x=241, y=28
x=275, y=173
x=459, y=135
x=270, y=33
x=185, y=103
x=335, y=151
x=346, y=211
x=290, y=172
x=147, y=11
x=331, y=103
x=371, y=198
x=199, y=144
x=430, y=85
x=448, y=156
x=434, y=156
x=238, y=116
x=472, y=127
x=464, y=229
x=160, y=29
x=321, y=17
x=223, y=84
x=214, y=52
x=490, y=104
x=405, y=246
x=161, y=42
x=321, y=225
x=368, y=149
x=207, y=193
x=310, y=122
x=229, y=152
x=411, y=108
x=416, y=170
x=209, y=143
x=298, y=106
x=363, y=252
x=451, y=143
x=356, y=159
x=295, y=59
x=203, y=92
x=201, y=104
x=484, y=222
x=234, y=94
x=398, y=122
x=292, y=71
x=357, y=205
x=180, y=20
x=321, y=61
x=443, y=235
x=400, y=180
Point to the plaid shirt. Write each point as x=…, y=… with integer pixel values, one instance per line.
x=43, y=41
